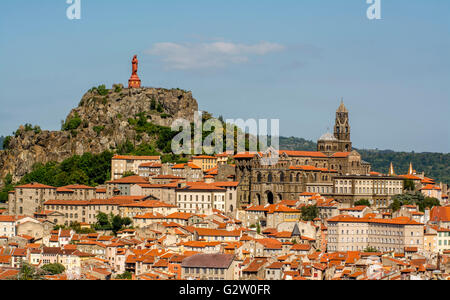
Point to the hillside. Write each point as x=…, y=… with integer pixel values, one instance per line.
x=104, y=120
x=435, y=165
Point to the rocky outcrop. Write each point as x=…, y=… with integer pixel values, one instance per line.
x=102, y=119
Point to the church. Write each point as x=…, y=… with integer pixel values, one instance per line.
x=300, y=171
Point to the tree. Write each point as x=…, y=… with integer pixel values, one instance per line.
x=6, y=142
x=409, y=185
x=370, y=250
x=125, y=276
x=258, y=228
x=8, y=186
x=54, y=269
x=128, y=174
x=103, y=222
x=309, y=213
x=413, y=198
x=28, y=272
x=362, y=202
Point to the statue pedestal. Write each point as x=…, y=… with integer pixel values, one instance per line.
x=134, y=82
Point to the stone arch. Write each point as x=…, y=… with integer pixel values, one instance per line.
x=269, y=197
x=282, y=179
x=258, y=199
x=258, y=177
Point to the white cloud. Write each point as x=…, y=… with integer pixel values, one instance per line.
x=209, y=55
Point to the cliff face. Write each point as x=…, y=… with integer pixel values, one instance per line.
x=102, y=120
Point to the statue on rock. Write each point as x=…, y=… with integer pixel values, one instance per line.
x=134, y=81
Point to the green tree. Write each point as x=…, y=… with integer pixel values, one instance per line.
x=28, y=272
x=72, y=123
x=370, y=250
x=413, y=198
x=125, y=276
x=6, y=142
x=128, y=174
x=309, y=213
x=362, y=202
x=103, y=222
x=54, y=269
x=8, y=186
x=409, y=185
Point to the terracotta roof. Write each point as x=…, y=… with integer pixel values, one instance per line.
x=341, y=154
x=366, y=219
x=130, y=180
x=440, y=214
x=301, y=247
x=255, y=265
x=303, y=153
x=35, y=186
x=78, y=187
x=132, y=157
x=201, y=186
x=204, y=157
x=220, y=261
x=190, y=165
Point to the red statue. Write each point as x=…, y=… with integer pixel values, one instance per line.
x=135, y=62
x=134, y=81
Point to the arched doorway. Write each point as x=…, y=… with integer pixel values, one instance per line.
x=269, y=197
x=258, y=199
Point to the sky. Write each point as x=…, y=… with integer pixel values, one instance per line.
x=290, y=60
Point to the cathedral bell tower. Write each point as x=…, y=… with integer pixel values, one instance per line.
x=342, y=129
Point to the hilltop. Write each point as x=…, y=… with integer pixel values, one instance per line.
x=105, y=119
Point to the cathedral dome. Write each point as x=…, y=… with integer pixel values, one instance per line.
x=327, y=137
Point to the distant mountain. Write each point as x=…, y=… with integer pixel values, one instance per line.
x=435, y=165
x=299, y=144
x=2, y=138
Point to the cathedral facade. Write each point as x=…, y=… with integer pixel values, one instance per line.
x=300, y=171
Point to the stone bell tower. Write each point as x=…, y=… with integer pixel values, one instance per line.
x=342, y=129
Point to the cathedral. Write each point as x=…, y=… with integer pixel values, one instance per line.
x=300, y=171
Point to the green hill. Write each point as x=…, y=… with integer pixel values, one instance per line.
x=435, y=165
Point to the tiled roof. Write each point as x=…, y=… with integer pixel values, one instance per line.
x=221, y=261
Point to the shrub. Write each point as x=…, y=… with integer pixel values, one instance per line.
x=98, y=129
x=72, y=123
x=6, y=142
x=102, y=90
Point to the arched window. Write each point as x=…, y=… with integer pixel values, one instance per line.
x=281, y=177
x=269, y=177
x=258, y=177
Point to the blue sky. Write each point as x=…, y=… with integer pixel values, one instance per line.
x=290, y=60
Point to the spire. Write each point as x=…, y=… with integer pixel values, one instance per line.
x=391, y=170
x=411, y=170
x=342, y=107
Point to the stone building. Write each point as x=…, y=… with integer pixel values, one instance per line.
x=299, y=171
x=379, y=190
x=28, y=199
x=348, y=233
x=120, y=164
